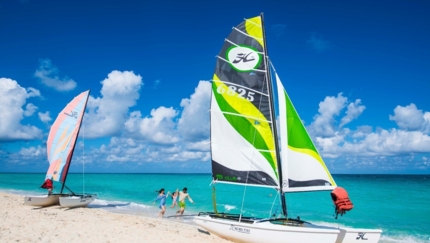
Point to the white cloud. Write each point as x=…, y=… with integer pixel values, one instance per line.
x=48, y=75
x=29, y=109
x=194, y=121
x=107, y=114
x=410, y=118
x=354, y=111
x=199, y=146
x=383, y=142
x=32, y=152
x=364, y=142
x=158, y=128
x=163, y=137
x=324, y=123
x=12, y=98
x=44, y=117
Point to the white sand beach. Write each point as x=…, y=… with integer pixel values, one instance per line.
x=21, y=223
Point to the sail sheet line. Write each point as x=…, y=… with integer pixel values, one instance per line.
x=257, y=70
x=241, y=86
x=243, y=33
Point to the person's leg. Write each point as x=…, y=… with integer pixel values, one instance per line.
x=163, y=210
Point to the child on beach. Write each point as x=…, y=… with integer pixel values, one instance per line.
x=162, y=198
x=174, y=198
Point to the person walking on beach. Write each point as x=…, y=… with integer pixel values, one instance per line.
x=48, y=185
x=174, y=198
x=162, y=198
x=182, y=196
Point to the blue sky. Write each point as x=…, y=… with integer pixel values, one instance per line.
x=358, y=73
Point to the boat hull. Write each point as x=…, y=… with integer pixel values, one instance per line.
x=266, y=231
x=76, y=201
x=43, y=200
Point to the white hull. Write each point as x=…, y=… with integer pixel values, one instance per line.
x=254, y=231
x=267, y=231
x=76, y=201
x=42, y=200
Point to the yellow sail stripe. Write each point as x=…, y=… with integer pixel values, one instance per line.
x=236, y=102
x=63, y=141
x=317, y=157
x=254, y=28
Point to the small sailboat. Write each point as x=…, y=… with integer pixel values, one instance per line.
x=60, y=147
x=247, y=149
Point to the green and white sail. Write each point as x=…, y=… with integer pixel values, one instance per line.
x=242, y=137
x=302, y=168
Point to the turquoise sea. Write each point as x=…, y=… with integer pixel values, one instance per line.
x=397, y=204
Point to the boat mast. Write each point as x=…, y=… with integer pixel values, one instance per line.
x=275, y=131
x=73, y=150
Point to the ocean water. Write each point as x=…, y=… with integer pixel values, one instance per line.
x=397, y=204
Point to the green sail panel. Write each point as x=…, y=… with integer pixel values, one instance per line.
x=242, y=141
x=302, y=167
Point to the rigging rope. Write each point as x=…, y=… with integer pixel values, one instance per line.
x=83, y=160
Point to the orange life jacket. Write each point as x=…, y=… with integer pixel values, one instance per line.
x=341, y=201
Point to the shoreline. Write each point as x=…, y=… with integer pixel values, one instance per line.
x=56, y=224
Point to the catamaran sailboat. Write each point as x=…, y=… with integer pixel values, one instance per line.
x=60, y=147
x=247, y=149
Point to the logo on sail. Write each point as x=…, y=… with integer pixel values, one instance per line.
x=73, y=114
x=243, y=58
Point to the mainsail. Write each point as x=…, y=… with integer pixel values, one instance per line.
x=301, y=162
x=62, y=137
x=242, y=134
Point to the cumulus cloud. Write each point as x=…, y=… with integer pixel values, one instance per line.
x=29, y=109
x=107, y=114
x=354, y=110
x=324, y=122
x=383, y=146
x=44, y=117
x=159, y=127
x=194, y=122
x=410, y=118
x=32, y=152
x=12, y=99
x=48, y=75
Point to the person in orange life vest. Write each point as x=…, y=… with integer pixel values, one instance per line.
x=48, y=185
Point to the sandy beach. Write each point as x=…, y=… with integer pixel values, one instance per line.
x=21, y=223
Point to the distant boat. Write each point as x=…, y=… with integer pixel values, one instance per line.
x=247, y=149
x=60, y=147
